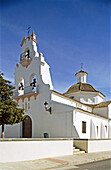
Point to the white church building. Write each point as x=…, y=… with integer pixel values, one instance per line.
x=79, y=113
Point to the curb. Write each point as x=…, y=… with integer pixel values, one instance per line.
x=80, y=162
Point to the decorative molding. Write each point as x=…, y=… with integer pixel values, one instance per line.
x=28, y=95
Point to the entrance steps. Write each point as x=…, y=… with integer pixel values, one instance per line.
x=77, y=151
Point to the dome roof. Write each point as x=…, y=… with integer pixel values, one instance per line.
x=81, y=87
x=81, y=71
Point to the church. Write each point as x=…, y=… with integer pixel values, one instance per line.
x=79, y=113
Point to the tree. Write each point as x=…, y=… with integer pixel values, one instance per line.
x=9, y=111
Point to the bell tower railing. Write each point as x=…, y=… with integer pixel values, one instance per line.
x=27, y=89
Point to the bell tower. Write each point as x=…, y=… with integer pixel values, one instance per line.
x=29, y=50
x=32, y=72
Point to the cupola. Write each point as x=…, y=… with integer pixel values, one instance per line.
x=81, y=76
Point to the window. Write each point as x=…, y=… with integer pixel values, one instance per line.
x=106, y=128
x=72, y=97
x=46, y=135
x=97, y=130
x=83, y=127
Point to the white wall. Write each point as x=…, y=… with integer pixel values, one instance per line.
x=99, y=146
x=70, y=102
x=92, y=121
x=86, y=97
x=12, y=151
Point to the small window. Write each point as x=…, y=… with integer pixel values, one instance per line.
x=97, y=130
x=106, y=128
x=46, y=135
x=83, y=127
x=72, y=97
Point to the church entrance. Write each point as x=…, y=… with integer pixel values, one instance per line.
x=27, y=128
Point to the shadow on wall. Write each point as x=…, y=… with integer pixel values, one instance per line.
x=75, y=134
x=93, y=132
x=102, y=131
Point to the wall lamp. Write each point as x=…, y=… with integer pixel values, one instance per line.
x=46, y=108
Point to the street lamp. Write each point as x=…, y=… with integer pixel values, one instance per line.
x=46, y=107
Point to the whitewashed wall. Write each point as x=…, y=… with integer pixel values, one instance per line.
x=12, y=151
x=82, y=96
x=62, y=99
x=92, y=121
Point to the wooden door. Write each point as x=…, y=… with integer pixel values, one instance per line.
x=27, y=128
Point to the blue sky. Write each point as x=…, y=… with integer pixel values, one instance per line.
x=69, y=32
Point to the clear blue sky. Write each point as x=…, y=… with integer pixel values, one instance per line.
x=69, y=32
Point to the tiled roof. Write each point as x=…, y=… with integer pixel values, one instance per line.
x=81, y=71
x=102, y=104
x=81, y=87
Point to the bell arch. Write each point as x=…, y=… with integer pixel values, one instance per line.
x=33, y=82
x=27, y=128
x=27, y=53
x=21, y=86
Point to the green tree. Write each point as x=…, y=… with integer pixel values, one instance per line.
x=9, y=111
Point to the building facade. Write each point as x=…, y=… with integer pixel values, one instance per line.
x=81, y=112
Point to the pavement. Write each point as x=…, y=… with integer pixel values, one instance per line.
x=56, y=162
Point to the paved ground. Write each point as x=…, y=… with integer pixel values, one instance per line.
x=99, y=165
x=56, y=162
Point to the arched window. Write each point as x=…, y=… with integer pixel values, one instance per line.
x=21, y=86
x=33, y=82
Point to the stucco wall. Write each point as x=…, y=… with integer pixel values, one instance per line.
x=92, y=121
x=12, y=151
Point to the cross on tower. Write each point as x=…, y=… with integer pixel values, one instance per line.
x=81, y=66
x=28, y=28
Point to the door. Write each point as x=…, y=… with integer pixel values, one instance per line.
x=27, y=128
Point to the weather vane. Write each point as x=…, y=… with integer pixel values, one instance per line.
x=81, y=66
x=28, y=28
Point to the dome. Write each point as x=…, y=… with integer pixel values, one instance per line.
x=81, y=87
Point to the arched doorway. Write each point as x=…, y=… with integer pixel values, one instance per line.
x=27, y=128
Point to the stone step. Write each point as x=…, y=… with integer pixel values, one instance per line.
x=77, y=151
